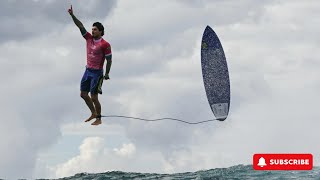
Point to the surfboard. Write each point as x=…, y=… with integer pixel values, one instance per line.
x=215, y=74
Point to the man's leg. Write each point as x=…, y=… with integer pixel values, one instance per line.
x=89, y=103
x=97, y=106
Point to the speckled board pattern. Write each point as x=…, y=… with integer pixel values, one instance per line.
x=215, y=74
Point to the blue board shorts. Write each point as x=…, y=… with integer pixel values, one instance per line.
x=92, y=81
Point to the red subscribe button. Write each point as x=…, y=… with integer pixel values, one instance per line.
x=282, y=161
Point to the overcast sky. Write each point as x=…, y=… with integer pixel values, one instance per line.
x=272, y=49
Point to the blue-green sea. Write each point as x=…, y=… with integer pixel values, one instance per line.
x=234, y=172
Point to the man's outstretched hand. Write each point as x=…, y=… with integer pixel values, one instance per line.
x=70, y=10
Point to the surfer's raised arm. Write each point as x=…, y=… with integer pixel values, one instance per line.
x=76, y=21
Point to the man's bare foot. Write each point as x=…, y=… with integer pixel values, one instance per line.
x=98, y=121
x=91, y=117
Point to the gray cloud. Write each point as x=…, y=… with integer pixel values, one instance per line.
x=26, y=19
x=161, y=25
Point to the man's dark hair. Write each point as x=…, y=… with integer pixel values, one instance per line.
x=99, y=26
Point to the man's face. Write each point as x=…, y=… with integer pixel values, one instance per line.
x=95, y=32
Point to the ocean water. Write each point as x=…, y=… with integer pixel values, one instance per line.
x=234, y=172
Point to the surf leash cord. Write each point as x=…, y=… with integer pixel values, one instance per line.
x=160, y=119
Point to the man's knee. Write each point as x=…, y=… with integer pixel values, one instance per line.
x=94, y=98
x=84, y=95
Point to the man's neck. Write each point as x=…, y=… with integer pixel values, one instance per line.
x=97, y=38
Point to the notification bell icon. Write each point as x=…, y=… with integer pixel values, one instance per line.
x=262, y=162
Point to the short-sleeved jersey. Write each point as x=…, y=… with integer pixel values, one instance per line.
x=97, y=50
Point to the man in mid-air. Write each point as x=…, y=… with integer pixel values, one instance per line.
x=97, y=51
